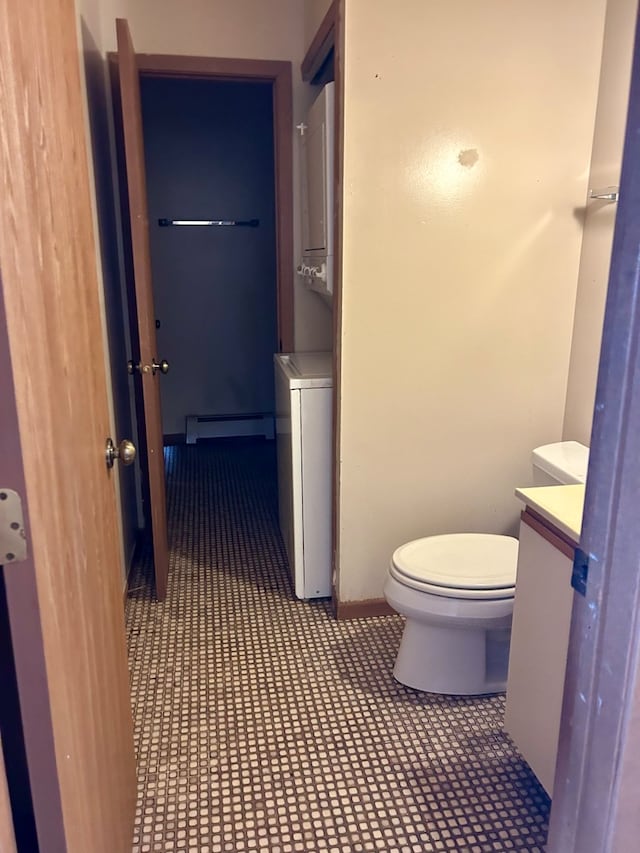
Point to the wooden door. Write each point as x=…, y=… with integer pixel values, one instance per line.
x=64, y=601
x=145, y=353
x=597, y=781
x=7, y=836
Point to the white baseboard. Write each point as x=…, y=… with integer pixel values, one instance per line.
x=229, y=426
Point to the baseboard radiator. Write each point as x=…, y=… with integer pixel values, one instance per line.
x=229, y=426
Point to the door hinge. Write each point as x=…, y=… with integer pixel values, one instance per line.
x=580, y=572
x=13, y=543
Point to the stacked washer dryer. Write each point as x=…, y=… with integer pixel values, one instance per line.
x=304, y=445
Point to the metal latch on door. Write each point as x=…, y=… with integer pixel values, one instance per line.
x=154, y=367
x=13, y=543
x=125, y=452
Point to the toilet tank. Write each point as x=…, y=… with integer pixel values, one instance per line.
x=561, y=463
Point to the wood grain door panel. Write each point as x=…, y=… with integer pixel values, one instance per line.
x=71, y=586
x=141, y=302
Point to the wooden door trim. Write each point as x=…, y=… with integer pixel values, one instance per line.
x=597, y=775
x=7, y=835
x=338, y=6
x=204, y=67
x=137, y=259
x=279, y=74
x=322, y=44
x=27, y=644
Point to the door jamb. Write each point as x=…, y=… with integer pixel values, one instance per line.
x=322, y=44
x=595, y=805
x=31, y=722
x=330, y=37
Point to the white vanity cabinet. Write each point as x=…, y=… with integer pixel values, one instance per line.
x=539, y=641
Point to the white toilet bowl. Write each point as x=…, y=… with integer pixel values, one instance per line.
x=456, y=592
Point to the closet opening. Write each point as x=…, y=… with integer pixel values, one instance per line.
x=209, y=158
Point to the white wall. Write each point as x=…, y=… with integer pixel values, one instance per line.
x=608, y=140
x=468, y=131
x=247, y=29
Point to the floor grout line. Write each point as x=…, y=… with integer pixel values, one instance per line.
x=261, y=723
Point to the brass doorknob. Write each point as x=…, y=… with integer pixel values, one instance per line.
x=162, y=366
x=125, y=452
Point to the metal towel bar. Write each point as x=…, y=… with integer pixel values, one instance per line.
x=246, y=223
x=607, y=194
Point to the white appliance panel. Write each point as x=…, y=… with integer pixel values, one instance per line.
x=315, y=418
x=304, y=447
x=316, y=236
x=284, y=446
x=318, y=159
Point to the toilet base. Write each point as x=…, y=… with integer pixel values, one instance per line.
x=457, y=661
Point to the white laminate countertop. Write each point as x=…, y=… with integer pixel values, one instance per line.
x=561, y=506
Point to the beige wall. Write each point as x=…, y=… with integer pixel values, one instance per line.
x=468, y=130
x=606, y=160
x=233, y=28
x=314, y=12
x=248, y=29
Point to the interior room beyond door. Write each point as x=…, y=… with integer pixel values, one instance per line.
x=209, y=150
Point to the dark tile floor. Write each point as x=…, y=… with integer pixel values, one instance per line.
x=263, y=724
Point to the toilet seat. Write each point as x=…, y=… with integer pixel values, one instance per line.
x=459, y=565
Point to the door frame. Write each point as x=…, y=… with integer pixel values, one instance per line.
x=29, y=741
x=595, y=805
x=330, y=37
x=279, y=74
x=7, y=834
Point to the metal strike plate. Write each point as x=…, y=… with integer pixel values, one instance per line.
x=580, y=572
x=13, y=544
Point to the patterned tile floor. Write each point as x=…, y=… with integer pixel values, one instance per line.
x=262, y=724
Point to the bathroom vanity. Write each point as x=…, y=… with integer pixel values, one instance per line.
x=549, y=534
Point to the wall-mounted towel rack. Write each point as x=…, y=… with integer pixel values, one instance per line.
x=246, y=223
x=607, y=194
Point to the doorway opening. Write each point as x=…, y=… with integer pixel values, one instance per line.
x=198, y=394
x=209, y=157
x=277, y=76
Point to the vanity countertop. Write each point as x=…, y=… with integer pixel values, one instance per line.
x=561, y=506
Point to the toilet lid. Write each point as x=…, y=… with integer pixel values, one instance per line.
x=460, y=565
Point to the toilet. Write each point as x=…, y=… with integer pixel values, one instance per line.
x=456, y=592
